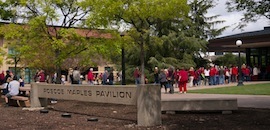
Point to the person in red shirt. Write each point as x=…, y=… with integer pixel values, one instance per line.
x=234, y=73
x=137, y=76
x=182, y=80
x=246, y=73
x=212, y=75
x=90, y=77
x=41, y=76
x=2, y=77
x=268, y=68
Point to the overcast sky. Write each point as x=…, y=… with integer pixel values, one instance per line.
x=232, y=18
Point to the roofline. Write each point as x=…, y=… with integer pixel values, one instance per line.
x=244, y=34
x=255, y=39
x=101, y=35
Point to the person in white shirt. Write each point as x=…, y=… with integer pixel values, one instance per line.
x=256, y=72
x=13, y=89
x=76, y=76
x=206, y=74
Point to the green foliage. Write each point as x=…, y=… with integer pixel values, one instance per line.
x=13, y=42
x=2, y=54
x=254, y=89
x=203, y=26
x=228, y=59
x=129, y=74
x=138, y=13
x=158, y=33
x=49, y=39
x=139, y=16
x=166, y=62
x=183, y=46
x=5, y=12
x=164, y=39
x=253, y=10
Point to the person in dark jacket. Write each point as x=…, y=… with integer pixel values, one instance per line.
x=163, y=79
x=7, y=79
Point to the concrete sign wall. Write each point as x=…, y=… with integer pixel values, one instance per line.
x=102, y=94
x=147, y=98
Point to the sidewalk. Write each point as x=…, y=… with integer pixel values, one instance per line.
x=225, y=85
x=251, y=101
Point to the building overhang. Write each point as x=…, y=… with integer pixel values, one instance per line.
x=256, y=39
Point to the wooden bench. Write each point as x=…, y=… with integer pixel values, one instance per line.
x=26, y=90
x=19, y=101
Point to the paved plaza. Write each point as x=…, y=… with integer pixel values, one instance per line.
x=252, y=101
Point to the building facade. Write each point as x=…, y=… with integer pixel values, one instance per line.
x=256, y=46
x=28, y=73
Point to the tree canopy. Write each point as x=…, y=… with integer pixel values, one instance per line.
x=141, y=16
x=53, y=34
x=228, y=60
x=253, y=10
x=158, y=33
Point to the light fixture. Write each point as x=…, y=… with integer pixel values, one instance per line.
x=240, y=77
x=238, y=43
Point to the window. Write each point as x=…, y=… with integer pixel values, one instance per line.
x=11, y=51
x=254, y=52
x=108, y=69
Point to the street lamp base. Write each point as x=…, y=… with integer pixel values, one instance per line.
x=240, y=83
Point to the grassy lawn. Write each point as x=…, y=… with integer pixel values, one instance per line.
x=254, y=89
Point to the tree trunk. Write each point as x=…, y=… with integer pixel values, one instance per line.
x=15, y=69
x=142, y=61
x=58, y=68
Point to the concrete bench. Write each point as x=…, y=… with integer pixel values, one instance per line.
x=200, y=104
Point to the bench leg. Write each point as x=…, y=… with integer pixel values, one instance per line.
x=12, y=102
x=18, y=102
x=27, y=103
x=23, y=103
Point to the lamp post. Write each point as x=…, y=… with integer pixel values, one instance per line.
x=123, y=81
x=240, y=81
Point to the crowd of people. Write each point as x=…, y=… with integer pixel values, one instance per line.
x=10, y=85
x=168, y=78
x=106, y=78
x=171, y=78
x=75, y=76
